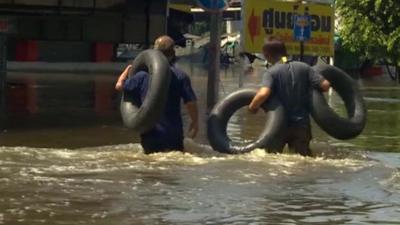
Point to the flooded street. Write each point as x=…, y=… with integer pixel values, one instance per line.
x=66, y=159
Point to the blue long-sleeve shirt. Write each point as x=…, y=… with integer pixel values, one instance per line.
x=169, y=129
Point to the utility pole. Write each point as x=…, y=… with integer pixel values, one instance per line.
x=214, y=62
x=3, y=79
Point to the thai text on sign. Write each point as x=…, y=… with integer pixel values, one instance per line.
x=263, y=19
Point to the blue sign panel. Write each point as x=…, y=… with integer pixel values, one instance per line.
x=302, y=27
x=213, y=5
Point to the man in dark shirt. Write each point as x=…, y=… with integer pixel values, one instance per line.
x=292, y=82
x=167, y=134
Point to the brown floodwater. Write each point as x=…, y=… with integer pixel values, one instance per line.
x=65, y=158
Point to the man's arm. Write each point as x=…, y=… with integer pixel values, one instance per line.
x=261, y=96
x=121, y=79
x=190, y=101
x=193, y=112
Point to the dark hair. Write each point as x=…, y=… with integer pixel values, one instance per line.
x=275, y=47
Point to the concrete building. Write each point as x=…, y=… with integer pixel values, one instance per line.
x=79, y=30
x=73, y=31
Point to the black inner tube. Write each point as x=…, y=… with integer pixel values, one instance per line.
x=220, y=115
x=144, y=117
x=336, y=126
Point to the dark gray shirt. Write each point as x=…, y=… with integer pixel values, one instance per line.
x=292, y=82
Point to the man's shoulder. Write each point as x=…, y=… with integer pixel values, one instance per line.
x=277, y=68
x=281, y=68
x=140, y=75
x=180, y=74
x=299, y=64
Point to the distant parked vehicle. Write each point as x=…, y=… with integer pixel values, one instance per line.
x=126, y=52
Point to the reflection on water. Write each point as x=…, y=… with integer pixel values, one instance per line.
x=57, y=179
x=244, y=127
x=49, y=110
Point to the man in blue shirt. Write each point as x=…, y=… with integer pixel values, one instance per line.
x=292, y=82
x=167, y=134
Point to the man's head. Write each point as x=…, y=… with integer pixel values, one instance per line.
x=166, y=45
x=274, y=50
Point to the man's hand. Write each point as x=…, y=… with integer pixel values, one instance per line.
x=193, y=130
x=261, y=96
x=119, y=86
x=253, y=110
x=194, y=116
x=325, y=85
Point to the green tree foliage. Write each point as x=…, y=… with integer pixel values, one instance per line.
x=372, y=28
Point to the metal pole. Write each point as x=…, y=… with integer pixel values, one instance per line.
x=242, y=60
x=243, y=69
x=330, y=93
x=3, y=80
x=148, y=21
x=302, y=51
x=214, y=62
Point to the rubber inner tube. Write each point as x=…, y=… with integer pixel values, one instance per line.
x=223, y=111
x=336, y=126
x=144, y=117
